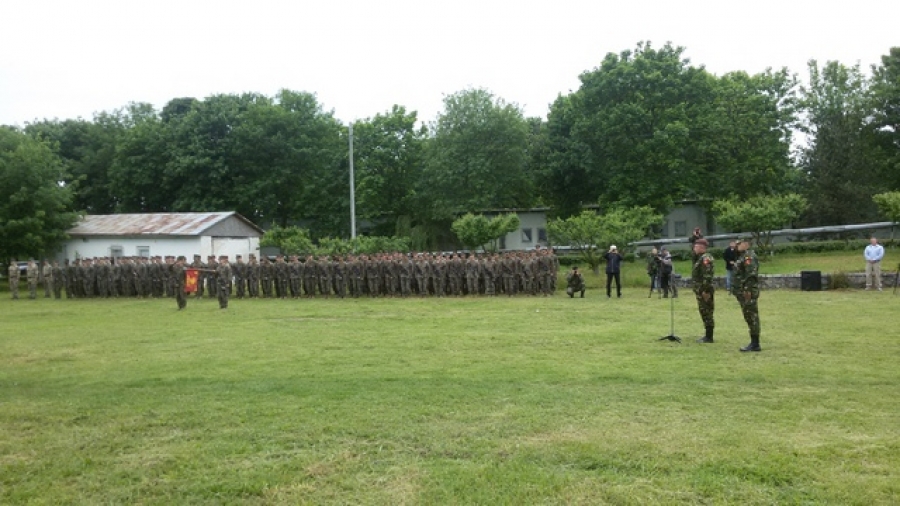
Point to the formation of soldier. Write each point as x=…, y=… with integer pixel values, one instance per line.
x=379, y=275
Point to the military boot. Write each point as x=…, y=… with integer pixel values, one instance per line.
x=708, y=338
x=753, y=346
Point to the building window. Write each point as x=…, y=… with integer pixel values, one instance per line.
x=143, y=251
x=502, y=244
x=664, y=231
x=526, y=235
x=680, y=228
x=542, y=235
x=115, y=252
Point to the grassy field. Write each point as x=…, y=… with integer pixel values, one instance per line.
x=449, y=401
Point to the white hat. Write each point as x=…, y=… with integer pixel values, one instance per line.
x=611, y=248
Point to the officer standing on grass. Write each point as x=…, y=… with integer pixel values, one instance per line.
x=703, y=277
x=746, y=290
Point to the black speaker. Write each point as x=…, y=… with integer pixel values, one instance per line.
x=811, y=281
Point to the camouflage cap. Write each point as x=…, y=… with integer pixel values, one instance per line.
x=744, y=238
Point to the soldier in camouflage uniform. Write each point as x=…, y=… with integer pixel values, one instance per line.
x=177, y=274
x=13, y=278
x=746, y=290
x=295, y=273
x=223, y=281
x=59, y=280
x=704, y=278
x=253, y=277
x=32, y=273
x=240, y=276
x=102, y=271
x=267, y=274
x=212, y=265
x=47, y=276
x=70, y=278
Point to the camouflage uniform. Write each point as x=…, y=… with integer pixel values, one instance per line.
x=703, y=277
x=223, y=282
x=59, y=280
x=177, y=273
x=253, y=277
x=14, y=279
x=240, y=277
x=47, y=275
x=31, y=274
x=746, y=290
x=575, y=283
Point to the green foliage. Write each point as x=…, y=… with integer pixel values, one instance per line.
x=274, y=160
x=648, y=128
x=589, y=233
x=365, y=244
x=389, y=152
x=476, y=157
x=889, y=206
x=480, y=232
x=35, y=208
x=448, y=401
x=839, y=162
x=759, y=216
x=885, y=122
x=838, y=281
x=289, y=240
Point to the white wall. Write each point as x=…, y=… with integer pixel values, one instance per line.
x=532, y=221
x=161, y=246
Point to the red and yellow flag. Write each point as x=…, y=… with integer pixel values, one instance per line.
x=190, y=280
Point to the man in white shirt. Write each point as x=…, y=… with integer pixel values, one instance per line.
x=874, y=253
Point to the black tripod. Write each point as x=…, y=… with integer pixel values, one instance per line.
x=671, y=336
x=896, y=279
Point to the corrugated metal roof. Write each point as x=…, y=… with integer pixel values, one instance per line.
x=149, y=224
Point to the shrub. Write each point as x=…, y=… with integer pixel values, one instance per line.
x=838, y=281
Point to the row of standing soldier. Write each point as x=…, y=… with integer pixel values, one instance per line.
x=388, y=274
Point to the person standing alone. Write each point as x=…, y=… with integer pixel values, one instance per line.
x=613, y=269
x=874, y=253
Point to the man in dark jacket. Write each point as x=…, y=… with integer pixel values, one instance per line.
x=613, y=268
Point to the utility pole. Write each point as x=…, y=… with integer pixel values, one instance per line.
x=352, y=190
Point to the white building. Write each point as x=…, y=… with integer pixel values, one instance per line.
x=162, y=234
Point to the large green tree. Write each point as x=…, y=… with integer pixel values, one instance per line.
x=388, y=153
x=477, y=157
x=885, y=124
x=35, y=204
x=88, y=150
x=839, y=161
x=648, y=128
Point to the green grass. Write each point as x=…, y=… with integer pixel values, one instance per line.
x=449, y=401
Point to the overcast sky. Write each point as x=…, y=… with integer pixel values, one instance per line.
x=70, y=58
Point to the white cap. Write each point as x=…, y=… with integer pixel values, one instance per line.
x=612, y=247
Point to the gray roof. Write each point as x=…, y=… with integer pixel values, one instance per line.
x=181, y=224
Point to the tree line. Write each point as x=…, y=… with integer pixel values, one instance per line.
x=645, y=128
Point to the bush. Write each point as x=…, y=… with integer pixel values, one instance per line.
x=838, y=281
